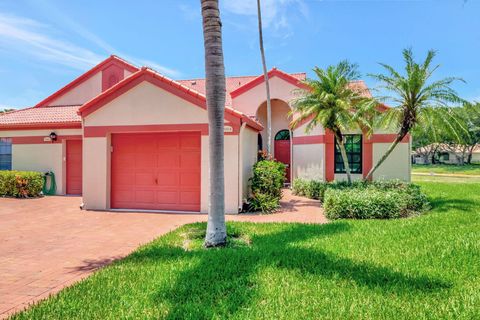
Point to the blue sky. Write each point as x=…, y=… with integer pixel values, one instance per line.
x=44, y=44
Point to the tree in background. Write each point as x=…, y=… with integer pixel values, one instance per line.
x=469, y=117
x=215, y=86
x=332, y=103
x=6, y=110
x=418, y=100
x=267, y=85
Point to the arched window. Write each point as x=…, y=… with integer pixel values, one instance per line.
x=283, y=135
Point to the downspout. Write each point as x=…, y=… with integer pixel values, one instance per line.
x=240, y=165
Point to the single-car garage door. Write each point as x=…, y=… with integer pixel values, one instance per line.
x=156, y=171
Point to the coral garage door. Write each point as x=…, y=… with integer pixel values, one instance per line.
x=156, y=171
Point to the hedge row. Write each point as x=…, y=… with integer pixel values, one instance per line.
x=21, y=184
x=365, y=200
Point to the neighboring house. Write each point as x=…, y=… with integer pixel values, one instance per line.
x=446, y=153
x=129, y=138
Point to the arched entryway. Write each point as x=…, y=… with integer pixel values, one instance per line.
x=280, y=134
x=280, y=120
x=282, y=150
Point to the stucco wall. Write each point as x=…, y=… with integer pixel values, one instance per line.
x=231, y=175
x=81, y=93
x=249, y=101
x=147, y=104
x=96, y=182
x=309, y=161
x=249, y=158
x=397, y=165
x=42, y=158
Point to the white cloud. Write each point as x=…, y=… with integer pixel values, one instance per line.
x=66, y=21
x=157, y=67
x=275, y=13
x=27, y=36
x=41, y=41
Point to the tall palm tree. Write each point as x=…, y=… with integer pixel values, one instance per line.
x=417, y=98
x=215, y=85
x=332, y=103
x=267, y=85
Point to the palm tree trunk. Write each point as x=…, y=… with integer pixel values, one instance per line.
x=343, y=152
x=215, y=86
x=390, y=149
x=267, y=85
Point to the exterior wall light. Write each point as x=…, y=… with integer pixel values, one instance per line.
x=53, y=136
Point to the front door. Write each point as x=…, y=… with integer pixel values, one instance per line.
x=74, y=167
x=282, y=150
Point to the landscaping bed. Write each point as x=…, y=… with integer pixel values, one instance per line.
x=21, y=184
x=364, y=200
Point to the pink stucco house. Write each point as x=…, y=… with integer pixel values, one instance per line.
x=130, y=138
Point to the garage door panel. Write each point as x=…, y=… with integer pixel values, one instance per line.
x=167, y=179
x=190, y=159
x=189, y=179
x=163, y=175
x=124, y=179
x=189, y=197
x=190, y=142
x=145, y=143
x=167, y=197
x=145, y=160
x=168, y=160
x=145, y=196
x=127, y=195
x=144, y=179
x=168, y=141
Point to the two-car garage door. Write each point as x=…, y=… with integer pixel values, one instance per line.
x=156, y=171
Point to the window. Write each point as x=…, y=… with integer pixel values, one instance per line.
x=353, y=147
x=283, y=135
x=5, y=154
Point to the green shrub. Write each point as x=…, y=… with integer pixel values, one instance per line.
x=21, y=184
x=364, y=200
x=365, y=204
x=267, y=183
x=312, y=189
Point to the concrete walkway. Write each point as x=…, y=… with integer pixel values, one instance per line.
x=47, y=244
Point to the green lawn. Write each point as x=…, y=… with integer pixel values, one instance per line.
x=468, y=169
x=446, y=179
x=426, y=267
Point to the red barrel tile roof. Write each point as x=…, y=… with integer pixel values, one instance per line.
x=44, y=115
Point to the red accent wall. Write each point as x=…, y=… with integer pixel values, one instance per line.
x=112, y=75
x=329, y=156
x=367, y=156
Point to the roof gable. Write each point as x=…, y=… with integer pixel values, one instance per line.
x=112, y=60
x=261, y=79
x=231, y=84
x=172, y=86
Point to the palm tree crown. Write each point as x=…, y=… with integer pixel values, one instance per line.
x=333, y=103
x=416, y=99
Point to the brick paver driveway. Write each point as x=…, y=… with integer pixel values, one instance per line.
x=49, y=243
